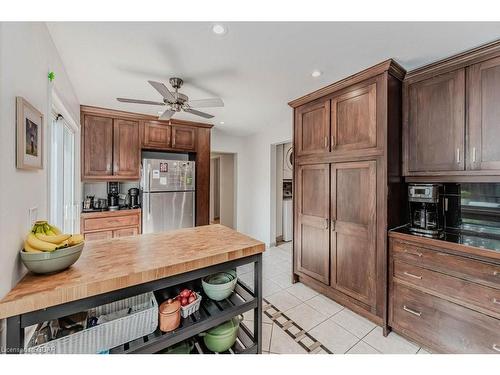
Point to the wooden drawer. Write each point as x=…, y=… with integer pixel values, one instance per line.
x=442, y=324
x=111, y=222
x=103, y=235
x=449, y=287
x=126, y=232
x=473, y=270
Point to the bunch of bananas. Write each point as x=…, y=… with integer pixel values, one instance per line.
x=46, y=237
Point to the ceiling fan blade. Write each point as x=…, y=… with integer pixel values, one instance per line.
x=139, y=101
x=162, y=89
x=167, y=115
x=201, y=103
x=198, y=113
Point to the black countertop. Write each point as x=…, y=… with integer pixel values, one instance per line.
x=462, y=237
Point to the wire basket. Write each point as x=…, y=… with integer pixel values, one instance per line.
x=141, y=321
x=192, y=307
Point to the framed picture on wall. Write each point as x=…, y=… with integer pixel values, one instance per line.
x=29, y=135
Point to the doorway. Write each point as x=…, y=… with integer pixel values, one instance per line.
x=283, y=181
x=223, y=189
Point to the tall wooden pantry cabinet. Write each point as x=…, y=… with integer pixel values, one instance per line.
x=348, y=187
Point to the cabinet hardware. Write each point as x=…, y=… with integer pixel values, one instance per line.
x=496, y=347
x=327, y=222
x=411, y=311
x=326, y=142
x=473, y=154
x=413, y=253
x=412, y=275
x=496, y=302
x=458, y=156
x=332, y=224
x=496, y=273
x=332, y=140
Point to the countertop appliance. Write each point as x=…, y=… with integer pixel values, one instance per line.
x=426, y=209
x=133, y=198
x=113, y=196
x=168, y=195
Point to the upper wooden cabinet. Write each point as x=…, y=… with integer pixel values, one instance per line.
x=156, y=135
x=451, y=118
x=354, y=119
x=183, y=138
x=484, y=115
x=436, y=123
x=97, y=137
x=126, y=149
x=312, y=128
x=312, y=236
x=111, y=149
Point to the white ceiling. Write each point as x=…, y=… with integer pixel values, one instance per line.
x=256, y=68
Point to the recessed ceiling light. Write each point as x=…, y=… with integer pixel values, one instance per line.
x=222, y=122
x=316, y=73
x=219, y=29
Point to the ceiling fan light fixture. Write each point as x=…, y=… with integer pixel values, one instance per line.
x=219, y=29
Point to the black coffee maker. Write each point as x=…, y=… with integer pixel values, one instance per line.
x=133, y=198
x=113, y=198
x=426, y=209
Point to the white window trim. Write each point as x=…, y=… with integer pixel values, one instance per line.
x=58, y=107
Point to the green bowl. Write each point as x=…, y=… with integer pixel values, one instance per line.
x=54, y=261
x=219, y=285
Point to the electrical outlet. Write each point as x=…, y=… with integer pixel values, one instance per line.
x=32, y=217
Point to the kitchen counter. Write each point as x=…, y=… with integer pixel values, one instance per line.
x=114, y=264
x=462, y=241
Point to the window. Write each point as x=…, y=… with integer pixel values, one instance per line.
x=62, y=175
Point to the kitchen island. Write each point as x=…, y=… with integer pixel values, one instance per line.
x=114, y=269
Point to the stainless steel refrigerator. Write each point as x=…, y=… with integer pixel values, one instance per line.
x=168, y=195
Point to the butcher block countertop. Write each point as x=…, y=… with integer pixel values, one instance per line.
x=117, y=263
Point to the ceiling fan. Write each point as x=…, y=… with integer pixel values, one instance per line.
x=176, y=101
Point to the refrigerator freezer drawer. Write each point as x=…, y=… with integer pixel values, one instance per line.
x=167, y=211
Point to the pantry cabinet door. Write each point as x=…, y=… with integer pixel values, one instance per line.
x=354, y=120
x=312, y=254
x=126, y=149
x=353, y=226
x=97, y=147
x=436, y=124
x=484, y=115
x=312, y=128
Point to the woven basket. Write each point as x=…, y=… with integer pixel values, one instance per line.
x=142, y=321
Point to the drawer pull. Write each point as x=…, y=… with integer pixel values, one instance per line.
x=412, y=275
x=496, y=302
x=496, y=347
x=496, y=273
x=413, y=253
x=411, y=311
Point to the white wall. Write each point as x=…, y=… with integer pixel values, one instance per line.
x=256, y=193
x=27, y=54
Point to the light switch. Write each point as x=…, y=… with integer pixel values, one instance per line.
x=32, y=217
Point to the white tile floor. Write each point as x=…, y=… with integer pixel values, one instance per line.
x=336, y=327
